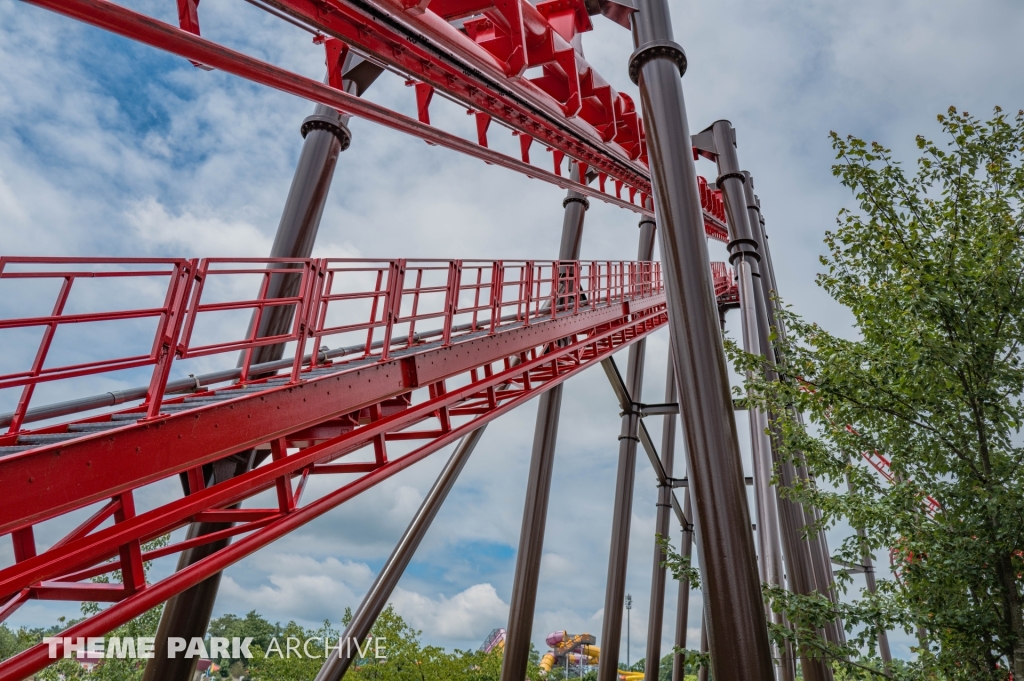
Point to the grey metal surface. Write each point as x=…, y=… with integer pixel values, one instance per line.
x=656, y=610
x=702, y=673
x=683, y=597
x=377, y=598
x=732, y=595
x=523, y=599
x=622, y=510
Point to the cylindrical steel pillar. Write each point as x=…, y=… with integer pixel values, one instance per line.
x=732, y=595
x=683, y=598
x=661, y=528
x=188, y=614
x=745, y=258
x=377, y=598
x=702, y=673
x=801, y=559
x=538, y=486
x=622, y=510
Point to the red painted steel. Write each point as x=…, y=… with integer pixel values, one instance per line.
x=556, y=318
x=518, y=103
x=726, y=291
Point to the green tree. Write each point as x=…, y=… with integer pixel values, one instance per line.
x=930, y=266
x=253, y=625
x=403, y=657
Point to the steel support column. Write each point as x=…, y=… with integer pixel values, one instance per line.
x=732, y=595
x=683, y=598
x=622, y=511
x=538, y=487
x=720, y=139
x=377, y=598
x=656, y=612
x=702, y=673
x=801, y=567
x=326, y=135
x=819, y=544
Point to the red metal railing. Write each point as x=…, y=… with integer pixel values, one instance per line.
x=175, y=271
x=386, y=301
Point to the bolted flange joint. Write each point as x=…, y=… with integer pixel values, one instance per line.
x=647, y=221
x=743, y=248
x=730, y=176
x=335, y=127
x=582, y=200
x=655, y=50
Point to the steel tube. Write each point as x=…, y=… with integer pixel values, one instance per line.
x=804, y=575
x=869, y=578
x=732, y=595
x=538, y=487
x=656, y=611
x=745, y=258
x=377, y=598
x=187, y=614
x=622, y=511
x=683, y=597
x=702, y=673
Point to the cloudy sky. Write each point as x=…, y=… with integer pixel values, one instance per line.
x=111, y=148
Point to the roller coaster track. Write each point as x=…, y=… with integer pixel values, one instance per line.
x=359, y=413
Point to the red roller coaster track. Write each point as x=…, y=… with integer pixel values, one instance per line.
x=499, y=334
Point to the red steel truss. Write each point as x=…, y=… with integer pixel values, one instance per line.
x=474, y=53
x=442, y=348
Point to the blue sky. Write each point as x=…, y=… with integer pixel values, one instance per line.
x=111, y=148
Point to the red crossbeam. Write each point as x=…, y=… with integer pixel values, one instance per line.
x=520, y=104
x=568, y=321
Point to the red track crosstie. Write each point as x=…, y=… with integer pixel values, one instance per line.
x=442, y=347
x=569, y=109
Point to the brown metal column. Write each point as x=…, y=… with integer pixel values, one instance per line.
x=622, y=511
x=801, y=561
x=538, y=487
x=683, y=598
x=734, y=611
x=188, y=614
x=661, y=527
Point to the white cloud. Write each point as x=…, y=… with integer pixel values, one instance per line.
x=300, y=587
x=187, y=234
x=463, y=616
x=111, y=148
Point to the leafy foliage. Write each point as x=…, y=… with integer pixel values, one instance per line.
x=930, y=266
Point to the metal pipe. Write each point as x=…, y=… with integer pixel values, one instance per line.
x=622, y=511
x=803, y=560
x=745, y=258
x=683, y=598
x=187, y=614
x=702, y=673
x=538, y=487
x=656, y=612
x=732, y=595
x=377, y=598
x=869, y=577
